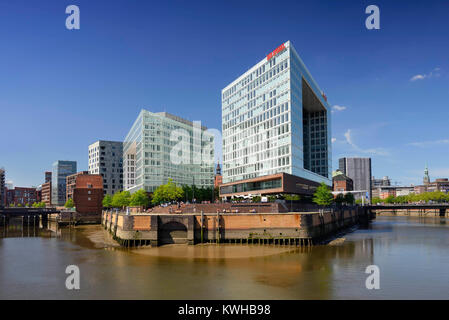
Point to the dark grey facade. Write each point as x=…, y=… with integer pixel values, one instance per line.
x=2, y=187
x=61, y=169
x=359, y=170
x=106, y=159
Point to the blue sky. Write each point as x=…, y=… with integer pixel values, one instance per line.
x=61, y=90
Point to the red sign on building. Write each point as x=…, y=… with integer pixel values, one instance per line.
x=276, y=51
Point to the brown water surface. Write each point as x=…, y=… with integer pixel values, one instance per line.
x=411, y=253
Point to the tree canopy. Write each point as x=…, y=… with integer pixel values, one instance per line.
x=38, y=205
x=323, y=195
x=69, y=203
x=435, y=196
x=167, y=192
x=121, y=199
x=107, y=201
x=139, y=199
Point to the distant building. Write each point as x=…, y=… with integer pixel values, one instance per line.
x=218, y=177
x=47, y=176
x=2, y=187
x=384, y=192
x=88, y=194
x=39, y=193
x=441, y=184
x=106, y=159
x=359, y=170
x=21, y=196
x=46, y=193
x=71, y=183
x=341, y=182
x=426, y=179
x=151, y=144
x=61, y=169
x=404, y=191
x=385, y=181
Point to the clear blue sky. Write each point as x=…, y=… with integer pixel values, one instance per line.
x=61, y=90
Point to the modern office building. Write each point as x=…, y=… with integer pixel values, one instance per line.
x=161, y=146
x=47, y=176
x=275, y=119
x=359, y=170
x=61, y=169
x=2, y=187
x=106, y=159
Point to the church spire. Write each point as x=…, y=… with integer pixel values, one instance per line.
x=426, y=179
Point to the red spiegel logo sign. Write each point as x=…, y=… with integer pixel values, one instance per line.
x=276, y=51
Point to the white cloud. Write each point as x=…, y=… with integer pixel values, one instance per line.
x=376, y=151
x=338, y=108
x=333, y=140
x=418, y=77
x=434, y=73
x=428, y=143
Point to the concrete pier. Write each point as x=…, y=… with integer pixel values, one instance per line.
x=294, y=228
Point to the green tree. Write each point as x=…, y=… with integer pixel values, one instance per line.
x=389, y=199
x=121, y=199
x=376, y=200
x=340, y=198
x=216, y=193
x=139, y=199
x=168, y=192
x=349, y=198
x=69, y=203
x=323, y=195
x=256, y=199
x=107, y=201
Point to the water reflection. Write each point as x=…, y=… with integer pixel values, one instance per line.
x=402, y=247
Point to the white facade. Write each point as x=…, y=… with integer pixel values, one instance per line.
x=276, y=119
x=150, y=147
x=106, y=159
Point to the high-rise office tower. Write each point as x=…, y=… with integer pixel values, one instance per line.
x=276, y=129
x=61, y=169
x=359, y=170
x=47, y=176
x=106, y=159
x=161, y=146
x=2, y=187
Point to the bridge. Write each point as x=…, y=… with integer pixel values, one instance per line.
x=410, y=206
x=25, y=213
x=424, y=209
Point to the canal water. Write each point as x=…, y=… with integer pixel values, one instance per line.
x=412, y=254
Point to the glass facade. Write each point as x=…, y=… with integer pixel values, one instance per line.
x=61, y=169
x=151, y=148
x=276, y=119
x=252, y=186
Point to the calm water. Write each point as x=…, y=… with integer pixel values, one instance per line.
x=412, y=254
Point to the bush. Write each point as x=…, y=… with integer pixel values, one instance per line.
x=69, y=203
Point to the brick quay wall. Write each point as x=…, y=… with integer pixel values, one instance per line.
x=294, y=228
